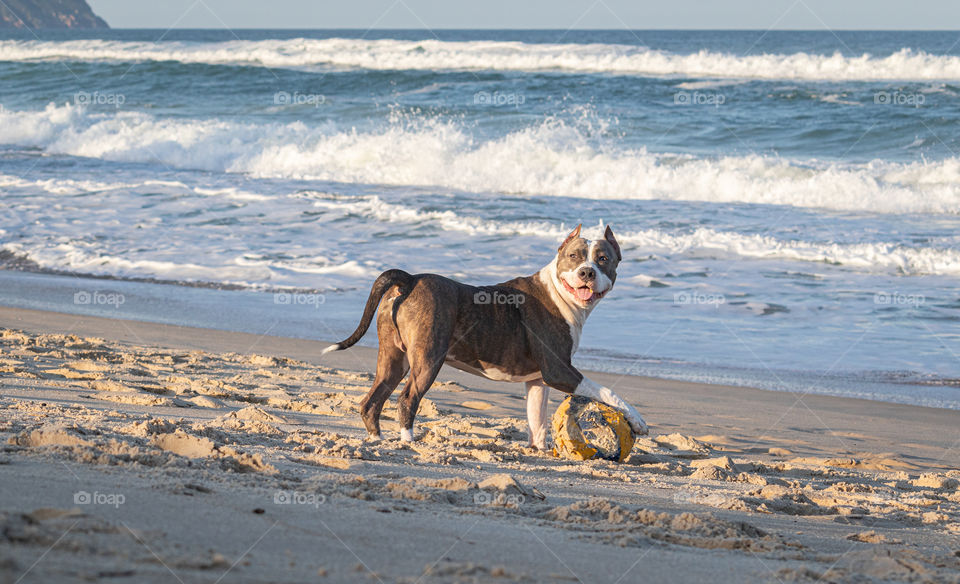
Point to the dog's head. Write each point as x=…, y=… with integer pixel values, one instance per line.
x=587, y=269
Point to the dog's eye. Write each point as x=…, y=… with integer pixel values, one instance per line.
x=602, y=259
x=573, y=256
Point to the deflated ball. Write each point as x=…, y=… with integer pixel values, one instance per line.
x=584, y=429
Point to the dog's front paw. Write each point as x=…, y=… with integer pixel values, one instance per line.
x=406, y=435
x=637, y=424
x=537, y=439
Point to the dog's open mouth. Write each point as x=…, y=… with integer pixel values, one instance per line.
x=584, y=293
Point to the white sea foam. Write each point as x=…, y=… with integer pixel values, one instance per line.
x=61, y=186
x=209, y=266
x=67, y=186
x=868, y=257
x=83, y=259
x=251, y=269
x=553, y=158
x=702, y=242
x=905, y=64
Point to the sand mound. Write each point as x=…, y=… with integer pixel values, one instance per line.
x=262, y=361
x=503, y=483
x=205, y=401
x=681, y=446
x=255, y=414
x=138, y=399
x=186, y=445
x=872, y=537
x=937, y=482
x=52, y=435
x=629, y=528
x=179, y=442
x=88, y=366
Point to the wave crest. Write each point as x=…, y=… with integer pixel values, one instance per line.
x=553, y=158
x=387, y=54
x=701, y=242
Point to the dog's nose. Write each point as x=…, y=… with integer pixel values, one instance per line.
x=587, y=274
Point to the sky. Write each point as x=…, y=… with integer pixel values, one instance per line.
x=550, y=14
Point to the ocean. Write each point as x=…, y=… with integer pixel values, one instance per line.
x=788, y=203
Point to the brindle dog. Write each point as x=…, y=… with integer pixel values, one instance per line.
x=526, y=329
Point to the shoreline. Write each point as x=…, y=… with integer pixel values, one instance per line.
x=334, y=315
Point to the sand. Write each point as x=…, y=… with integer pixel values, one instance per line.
x=137, y=452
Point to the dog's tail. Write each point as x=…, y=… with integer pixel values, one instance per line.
x=380, y=287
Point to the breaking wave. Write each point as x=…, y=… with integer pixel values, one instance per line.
x=552, y=158
x=386, y=54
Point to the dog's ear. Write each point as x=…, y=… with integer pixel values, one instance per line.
x=608, y=235
x=573, y=235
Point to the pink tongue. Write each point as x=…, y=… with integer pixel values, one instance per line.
x=584, y=293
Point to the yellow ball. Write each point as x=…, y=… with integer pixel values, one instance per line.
x=584, y=429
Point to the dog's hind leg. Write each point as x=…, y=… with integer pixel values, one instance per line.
x=391, y=367
x=537, y=394
x=423, y=372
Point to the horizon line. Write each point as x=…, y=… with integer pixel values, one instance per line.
x=621, y=29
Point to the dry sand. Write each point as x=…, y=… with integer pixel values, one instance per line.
x=138, y=452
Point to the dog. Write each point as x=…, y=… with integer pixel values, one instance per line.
x=524, y=330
